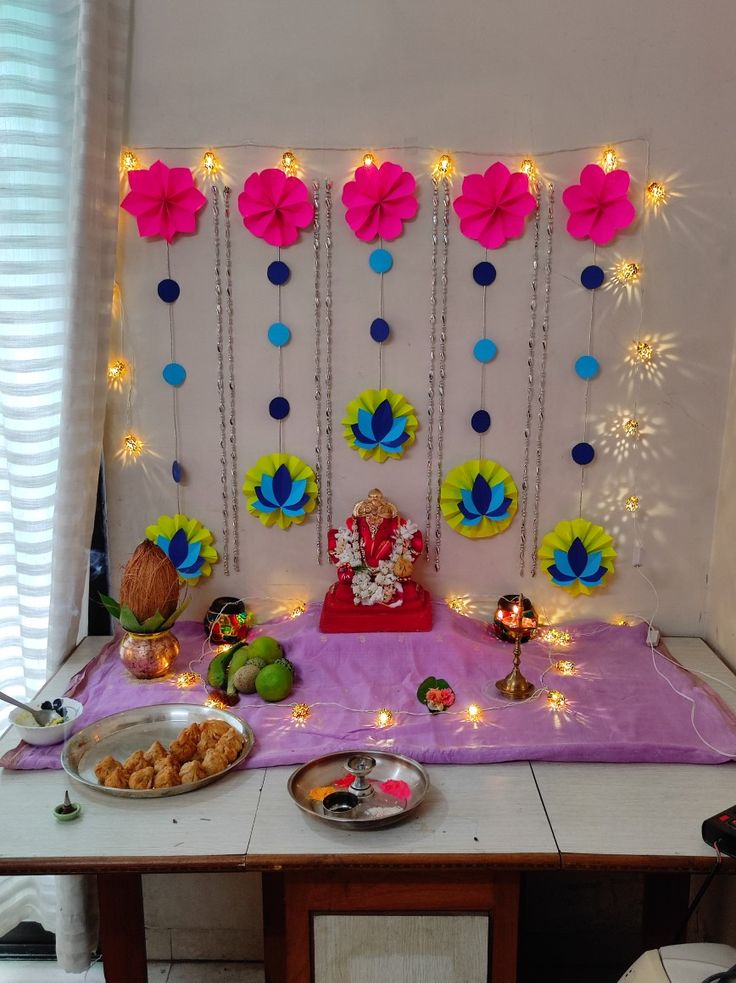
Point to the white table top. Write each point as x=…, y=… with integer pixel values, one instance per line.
x=495, y=815
x=621, y=815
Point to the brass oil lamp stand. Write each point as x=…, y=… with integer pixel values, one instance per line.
x=515, y=686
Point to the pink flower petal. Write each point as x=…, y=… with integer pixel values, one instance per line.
x=622, y=213
x=139, y=181
x=390, y=226
x=191, y=198
x=576, y=198
x=135, y=202
x=497, y=176
x=493, y=235
x=602, y=230
x=592, y=177
x=513, y=225
x=149, y=224
x=579, y=224
x=616, y=185
x=180, y=179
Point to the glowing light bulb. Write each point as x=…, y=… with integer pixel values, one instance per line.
x=384, y=717
x=556, y=636
x=116, y=372
x=656, y=194
x=631, y=428
x=132, y=446
x=565, y=667
x=609, y=159
x=555, y=700
x=301, y=712
x=210, y=163
x=474, y=713
x=444, y=167
x=369, y=159
x=128, y=161
x=632, y=503
x=529, y=167
x=643, y=352
x=289, y=163
x=216, y=703
x=297, y=610
x=627, y=271
x=185, y=680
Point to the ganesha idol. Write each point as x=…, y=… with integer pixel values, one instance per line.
x=374, y=553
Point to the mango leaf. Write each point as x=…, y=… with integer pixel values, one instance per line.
x=111, y=606
x=152, y=624
x=172, y=618
x=128, y=620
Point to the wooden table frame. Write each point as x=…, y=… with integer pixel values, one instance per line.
x=299, y=881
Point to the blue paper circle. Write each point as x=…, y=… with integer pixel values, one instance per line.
x=279, y=335
x=279, y=407
x=168, y=291
x=485, y=350
x=592, y=277
x=278, y=272
x=380, y=330
x=480, y=421
x=582, y=453
x=381, y=260
x=587, y=367
x=176, y=471
x=174, y=373
x=484, y=273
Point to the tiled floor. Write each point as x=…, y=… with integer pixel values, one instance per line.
x=193, y=972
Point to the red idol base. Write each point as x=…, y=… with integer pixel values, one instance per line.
x=340, y=614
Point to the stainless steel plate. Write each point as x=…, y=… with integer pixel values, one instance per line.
x=123, y=733
x=389, y=767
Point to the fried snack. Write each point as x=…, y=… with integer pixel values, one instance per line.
x=216, y=726
x=135, y=762
x=116, y=778
x=143, y=778
x=184, y=747
x=168, y=761
x=207, y=741
x=155, y=751
x=214, y=761
x=167, y=777
x=192, y=771
x=230, y=745
x=104, y=767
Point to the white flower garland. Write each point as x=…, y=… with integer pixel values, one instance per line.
x=379, y=586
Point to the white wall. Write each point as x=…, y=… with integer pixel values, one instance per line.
x=500, y=78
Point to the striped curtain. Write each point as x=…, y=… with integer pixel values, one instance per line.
x=62, y=92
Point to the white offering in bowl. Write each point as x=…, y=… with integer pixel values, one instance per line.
x=54, y=732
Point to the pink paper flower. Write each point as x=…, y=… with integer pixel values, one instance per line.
x=379, y=200
x=493, y=206
x=163, y=200
x=275, y=206
x=396, y=788
x=599, y=206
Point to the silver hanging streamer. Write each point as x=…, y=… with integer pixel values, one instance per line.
x=317, y=365
x=328, y=355
x=430, y=379
x=232, y=436
x=442, y=360
x=215, y=192
x=543, y=374
x=530, y=386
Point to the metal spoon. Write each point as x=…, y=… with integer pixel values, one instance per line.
x=42, y=717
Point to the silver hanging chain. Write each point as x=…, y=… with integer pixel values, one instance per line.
x=543, y=375
x=232, y=437
x=328, y=354
x=430, y=378
x=530, y=386
x=215, y=193
x=441, y=379
x=317, y=365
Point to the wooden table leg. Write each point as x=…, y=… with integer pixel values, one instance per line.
x=274, y=927
x=666, y=899
x=122, y=928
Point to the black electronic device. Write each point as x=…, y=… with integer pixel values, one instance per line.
x=721, y=829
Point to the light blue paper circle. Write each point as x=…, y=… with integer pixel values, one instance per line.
x=279, y=335
x=381, y=260
x=174, y=373
x=485, y=350
x=587, y=367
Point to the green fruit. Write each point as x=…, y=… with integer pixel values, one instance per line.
x=236, y=662
x=266, y=648
x=274, y=683
x=256, y=662
x=217, y=671
x=244, y=680
x=283, y=661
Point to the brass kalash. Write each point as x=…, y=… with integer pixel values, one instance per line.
x=515, y=621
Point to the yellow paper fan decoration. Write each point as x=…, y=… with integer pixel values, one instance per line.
x=380, y=424
x=577, y=556
x=187, y=543
x=479, y=498
x=280, y=489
